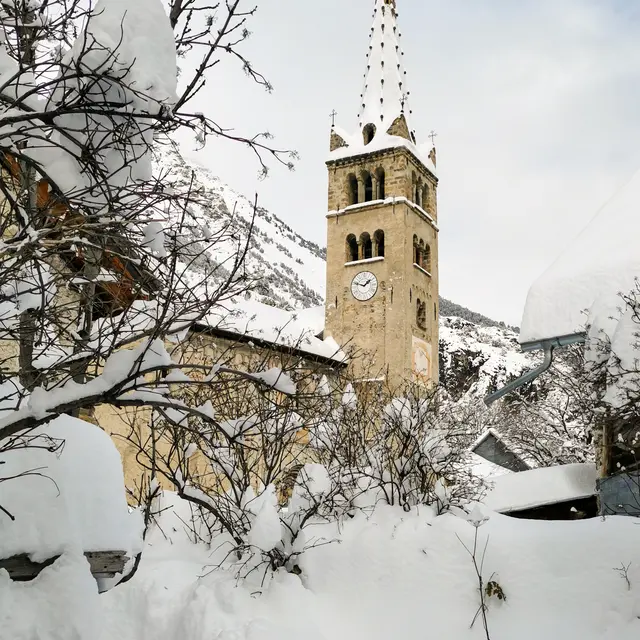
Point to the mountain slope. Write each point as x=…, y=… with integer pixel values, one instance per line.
x=289, y=270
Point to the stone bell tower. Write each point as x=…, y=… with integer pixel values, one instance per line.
x=382, y=226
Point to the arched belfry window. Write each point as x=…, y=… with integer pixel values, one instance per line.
x=378, y=244
x=426, y=258
x=352, y=189
x=368, y=133
x=366, y=247
x=351, y=248
x=416, y=250
x=381, y=195
x=420, y=260
x=368, y=187
x=425, y=197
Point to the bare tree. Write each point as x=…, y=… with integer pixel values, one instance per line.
x=552, y=421
x=96, y=265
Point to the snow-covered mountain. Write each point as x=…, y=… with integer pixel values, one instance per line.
x=477, y=354
x=476, y=359
x=289, y=269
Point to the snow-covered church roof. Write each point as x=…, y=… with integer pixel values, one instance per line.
x=384, y=101
x=582, y=286
x=299, y=330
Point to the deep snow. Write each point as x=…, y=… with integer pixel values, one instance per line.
x=392, y=575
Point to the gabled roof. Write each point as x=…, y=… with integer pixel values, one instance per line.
x=494, y=448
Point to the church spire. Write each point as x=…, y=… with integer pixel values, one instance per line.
x=385, y=98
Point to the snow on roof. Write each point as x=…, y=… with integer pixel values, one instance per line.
x=296, y=329
x=485, y=469
x=539, y=487
x=141, y=34
x=600, y=263
x=73, y=498
x=380, y=142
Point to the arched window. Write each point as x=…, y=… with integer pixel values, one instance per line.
x=414, y=187
x=366, y=247
x=416, y=250
x=368, y=187
x=378, y=244
x=425, y=197
x=352, y=189
x=368, y=133
x=421, y=254
x=381, y=195
x=351, y=248
x=426, y=258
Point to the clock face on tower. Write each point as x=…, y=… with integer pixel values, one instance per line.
x=364, y=286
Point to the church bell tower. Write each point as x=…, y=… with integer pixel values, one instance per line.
x=382, y=226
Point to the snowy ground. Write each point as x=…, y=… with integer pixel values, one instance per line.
x=394, y=575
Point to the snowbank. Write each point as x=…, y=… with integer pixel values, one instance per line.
x=71, y=499
x=394, y=575
x=62, y=603
x=601, y=262
x=538, y=487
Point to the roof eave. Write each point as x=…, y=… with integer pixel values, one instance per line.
x=234, y=336
x=558, y=341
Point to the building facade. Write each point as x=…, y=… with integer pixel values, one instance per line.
x=382, y=230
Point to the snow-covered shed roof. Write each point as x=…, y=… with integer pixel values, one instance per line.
x=297, y=330
x=601, y=262
x=484, y=469
x=539, y=487
x=71, y=498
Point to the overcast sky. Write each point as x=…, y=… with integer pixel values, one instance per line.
x=536, y=104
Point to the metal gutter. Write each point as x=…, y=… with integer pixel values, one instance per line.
x=542, y=345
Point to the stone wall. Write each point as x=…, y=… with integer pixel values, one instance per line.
x=207, y=349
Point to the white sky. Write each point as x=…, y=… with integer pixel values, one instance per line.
x=536, y=103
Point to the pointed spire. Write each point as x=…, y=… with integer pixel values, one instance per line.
x=385, y=97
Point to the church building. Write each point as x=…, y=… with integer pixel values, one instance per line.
x=382, y=226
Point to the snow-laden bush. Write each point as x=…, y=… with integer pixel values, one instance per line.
x=278, y=464
x=404, y=447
